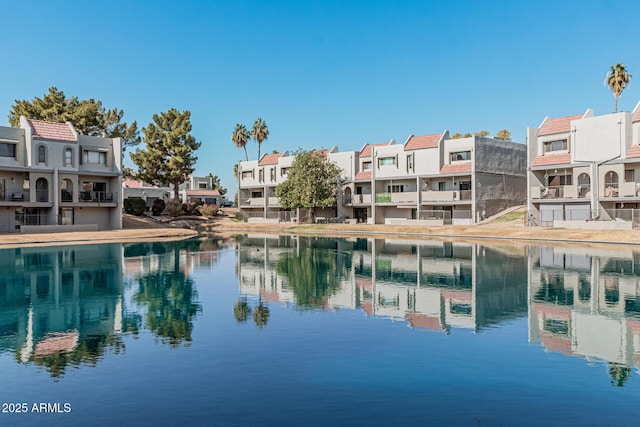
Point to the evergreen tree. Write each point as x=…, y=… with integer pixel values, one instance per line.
x=88, y=116
x=617, y=80
x=169, y=156
x=240, y=137
x=259, y=132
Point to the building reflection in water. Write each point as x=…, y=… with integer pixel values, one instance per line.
x=429, y=284
x=64, y=306
x=580, y=302
x=586, y=302
x=61, y=306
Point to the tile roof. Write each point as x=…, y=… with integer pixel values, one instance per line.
x=636, y=118
x=131, y=183
x=424, y=141
x=366, y=150
x=203, y=193
x=363, y=175
x=633, y=151
x=559, y=125
x=50, y=130
x=552, y=159
x=269, y=159
x=456, y=168
x=423, y=321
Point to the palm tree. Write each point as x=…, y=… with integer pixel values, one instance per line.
x=259, y=132
x=617, y=79
x=240, y=137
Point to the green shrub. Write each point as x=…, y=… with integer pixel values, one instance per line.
x=174, y=207
x=158, y=207
x=209, y=210
x=191, y=208
x=134, y=205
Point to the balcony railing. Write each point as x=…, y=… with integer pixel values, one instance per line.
x=97, y=197
x=15, y=195
x=359, y=199
x=624, y=189
x=555, y=192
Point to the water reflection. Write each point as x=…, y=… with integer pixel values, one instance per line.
x=59, y=307
x=432, y=285
x=580, y=302
x=67, y=306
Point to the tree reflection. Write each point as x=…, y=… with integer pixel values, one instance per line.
x=261, y=314
x=619, y=374
x=169, y=295
x=241, y=310
x=313, y=274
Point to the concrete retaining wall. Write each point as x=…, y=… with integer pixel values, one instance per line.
x=31, y=229
x=594, y=225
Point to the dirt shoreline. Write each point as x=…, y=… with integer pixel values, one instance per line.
x=143, y=229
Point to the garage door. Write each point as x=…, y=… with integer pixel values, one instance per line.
x=577, y=212
x=550, y=213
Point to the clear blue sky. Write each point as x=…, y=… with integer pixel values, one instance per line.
x=323, y=73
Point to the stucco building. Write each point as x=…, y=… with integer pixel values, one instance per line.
x=430, y=180
x=584, y=170
x=52, y=179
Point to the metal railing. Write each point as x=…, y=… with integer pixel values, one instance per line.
x=98, y=197
x=547, y=218
x=29, y=219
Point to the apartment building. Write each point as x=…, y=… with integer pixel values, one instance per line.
x=584, y=170
x=54, y=179
x=429, y=180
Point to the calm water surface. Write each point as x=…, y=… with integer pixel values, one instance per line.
x=268, y=330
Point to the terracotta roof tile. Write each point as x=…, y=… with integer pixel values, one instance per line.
x=633, y=151
x=424, y=321
x=552, y=159
x=636, y=118
x=424, y=141
x=456, y=168
x=363, y=175
x=559, y=125
x=203, y=193
x=131, y=183
x=50, y=130
x=269, y=159
x=366, y=151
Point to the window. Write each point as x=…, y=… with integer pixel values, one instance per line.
x=256, y=194
x=247, y=174
x=261, y=175
x=556, y=180
x=387, y=161
x=442, y=186
x=68, y=157
x=7, y=150
x=202, y=185
x=560, y=145
x=284, y=171
x=42, y=154
x=410, y=163
x=273, y=174
x=460, y=155
x=395, y=188
x=465, y=185
x=366, y=165
x=629, y=175
x=95, y=157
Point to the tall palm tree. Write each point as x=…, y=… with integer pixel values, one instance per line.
x=259, y=132
x=617, y=79
x=240, y=137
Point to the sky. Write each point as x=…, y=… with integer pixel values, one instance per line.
x=323, y=73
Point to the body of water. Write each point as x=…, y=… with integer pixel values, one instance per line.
x=292, y=330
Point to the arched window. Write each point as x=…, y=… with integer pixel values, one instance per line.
x=42, y=154
x=68, y=156
x=42, y=190
x=66, y=190
x=584, y=184
x=611, y=184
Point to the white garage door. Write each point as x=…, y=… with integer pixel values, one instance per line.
x=577, y=212
x=550, y=213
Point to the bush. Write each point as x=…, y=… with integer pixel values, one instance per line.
x=158, y=207
x=190, y=208
x=174, y=207
x=209, y=210
x=134, y=205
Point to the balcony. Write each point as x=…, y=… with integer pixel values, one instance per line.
x=359, y=199
x=98, y=197
x=274, y=201
x=624, y=189
x=556, y=192
x=446, y=196
x=254, y=202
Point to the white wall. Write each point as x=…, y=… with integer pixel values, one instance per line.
x=602, y=137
